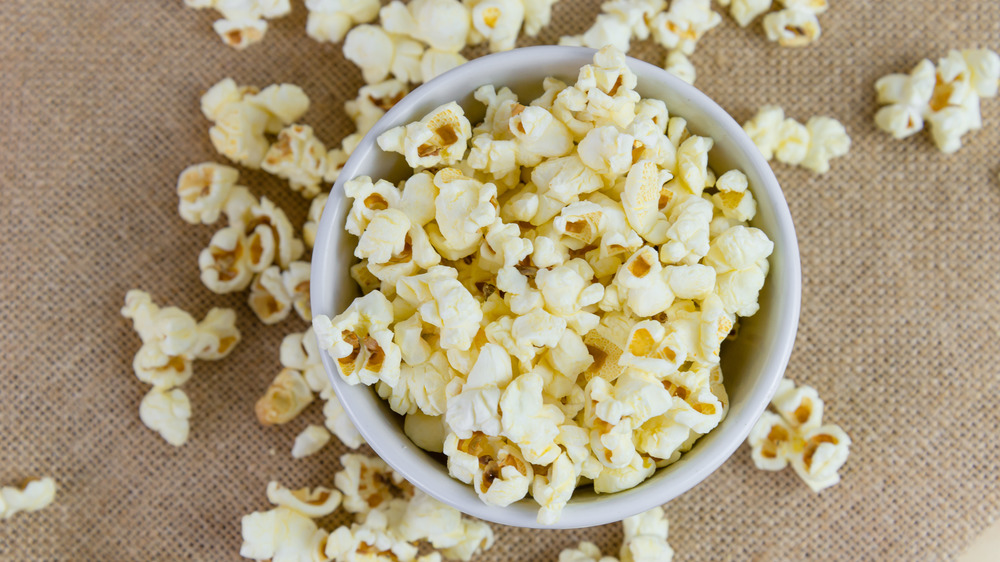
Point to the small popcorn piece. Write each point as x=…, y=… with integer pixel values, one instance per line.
x=285, y=398
x=494, y=467
x=641, y=285
x=442, y=24
x=299, y=157
x=279, y=534
x=310, y=441
x=537, y=14
x=434, y=63
x=296, y=282
x=498, y=22
x=765, y=129
x=554, y=489
x=646, y=538
x=152, y=366
x=225, y=264
x=527, y=422
x=792, y=27
x=680, y=66
x=793, y=142
x=284, y=103
x=34, y=495
x=238, y=133
x=268, y=298
x=795, y=436
x=584, y=552
x=476, y=407
x=607, y=29
x=360, y=342
x=440, y=138
x=271, y=237
x=167, y=412
x=330, y=20
x=336, y=420
x=684, y=24
x=612, y=480
x=315, y=503
x=240, y=33
x=426, y=432
x=651, y=348
x=203, y=190
x=217, y=334
x=384, y=237
x=827, y=139
x=380, y=54
x=312, y=220
x=745, y=11
x=367, y=483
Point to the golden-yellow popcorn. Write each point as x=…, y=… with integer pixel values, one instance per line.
x=367, y=483
x=496, y=21
x=284, y=399
x=240, y=33
x=494, y=467
x=684, y=24
x=152, y=366
x=167, y=412
x=268, y=298
x=203, y=190
x=440, y=138
x=299, y=157
x=217, y=334
x=792, y=27
x=360, y=342
x=35, y=494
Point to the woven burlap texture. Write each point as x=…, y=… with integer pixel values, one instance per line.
x=99, y=114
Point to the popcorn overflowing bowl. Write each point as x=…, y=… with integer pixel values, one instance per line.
x=629, y=328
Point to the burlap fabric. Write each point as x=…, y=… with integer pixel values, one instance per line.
x=99, y=113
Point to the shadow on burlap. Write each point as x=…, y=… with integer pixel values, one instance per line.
x=100, y=113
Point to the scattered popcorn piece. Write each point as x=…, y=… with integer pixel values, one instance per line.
x=811, y=146
x=380, y=54
x=203, y=190
x=745, y=11
x=680, y=66
x=268, y=298
x=584, y=552
x=336, y=420
x=498, y=22
x=34, y=495
x=310, y=441
x=284, y=399
x=279, y=534
x=315, y=503
x=330, y=20
x=299, y=157
x=646, y=538
x=945, y=97
x=240, y=33
x=684, y=24
x=795, y=436
x=167, y=412
x=792, y=27
x=312, y=220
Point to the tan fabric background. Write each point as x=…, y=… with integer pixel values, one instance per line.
x=99, y=113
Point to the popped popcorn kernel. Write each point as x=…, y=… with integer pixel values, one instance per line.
x=284, y=399
x=35, y=494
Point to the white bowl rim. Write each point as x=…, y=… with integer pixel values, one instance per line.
x=611, y=507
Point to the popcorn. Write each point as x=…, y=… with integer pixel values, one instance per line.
x=330, y=20
x=166, y=412
x=498, y=22
x=240, y=33
x=34, y=495
x=337, y=422
x=608, y=29
x=279, y=534
x=284, y=104
x=584, y=552
x=268, y=298
x=795, y=436
x=284, y=399
x=299, y=157
x=646, y=538
x=442, y=24
x=380, y=54
x=310, y=441
x=296, y=282
x=537, y=14
x=203, y=190
x=745, y=11
x=680, y=66
x=360, y=342
x=271, y=237
x=315, y=503
x=684, y=24
x=441, y=137
x=367, y=483
x=792, y=27
x=812, y=145
x=152, y=366
x=434, y=63
x=551, y=309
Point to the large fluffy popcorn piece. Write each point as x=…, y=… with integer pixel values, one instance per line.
x=441, y=24
x=35, y=494
x=285, y=398
x=280, y=534
x=680, y=27
x=242, y=115
x=445, y=303
x=739, y=258
x=299, y=157
x=477, y=406
x=360, y=342
x=330, y=20
x=811, y=146
x=795, y=435
x=380, y=54
x=440, y=138
x=586, y=551
x=368, y=483
x=203, y=190
x=646, y=538
x=171, y=341
x=494, y=467
x=945, y=97
x=244, y=22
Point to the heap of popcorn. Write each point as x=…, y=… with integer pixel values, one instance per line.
x=546, y=295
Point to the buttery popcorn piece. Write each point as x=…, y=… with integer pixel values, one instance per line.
x=36, y=494
x=441, y=137
x=284, y=399
x=310, y=441
x=240, y=33
x=792, y=27
x=795, y=436
x=167, y=412
x=299, y=157
x=330, y=20
x=312, y=221
x=203, y=190
x=646, y=538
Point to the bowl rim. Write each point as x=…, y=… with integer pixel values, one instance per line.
x=617, y=506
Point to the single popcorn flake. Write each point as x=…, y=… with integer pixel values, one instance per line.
x=336, y=421
x=312, y=221
x=285, y=398
x=367, y=483
x=268, y=298
x=608, y=29
x=380, y=54
x=684, y=24
x=203, y=190
x=745, y=11
x=238, y=133
x=330, y=20
x=35, y=494
x=225, y=264
x=584, y=552
x=167, y=412
x=442, y=24
x=646, y=538
x=426, y=432
x=498, y=22
x=315, y=503
x=279, y=534
x=434, y=63
x=827, y=139
x=300, y=351
x=538, y=134
x=152, y=366
x=476, y=407
x=792, y=27
x=527, y=422
x=680, y=66
x=271, y=237
x=494, y=467
x=445, y=303
x=240, y=33
x=299, y=157
x=217, y=334
x=310, y=441
x=765, y=129
x=440, y=138
x=384, y=237
x=651, y=348
x=641, y=285
x=284, y=104
x=360, y=342
x=795, y=436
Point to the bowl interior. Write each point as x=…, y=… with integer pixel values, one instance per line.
x=752, y=364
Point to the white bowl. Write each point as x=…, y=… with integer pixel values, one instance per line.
x=752, y=364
